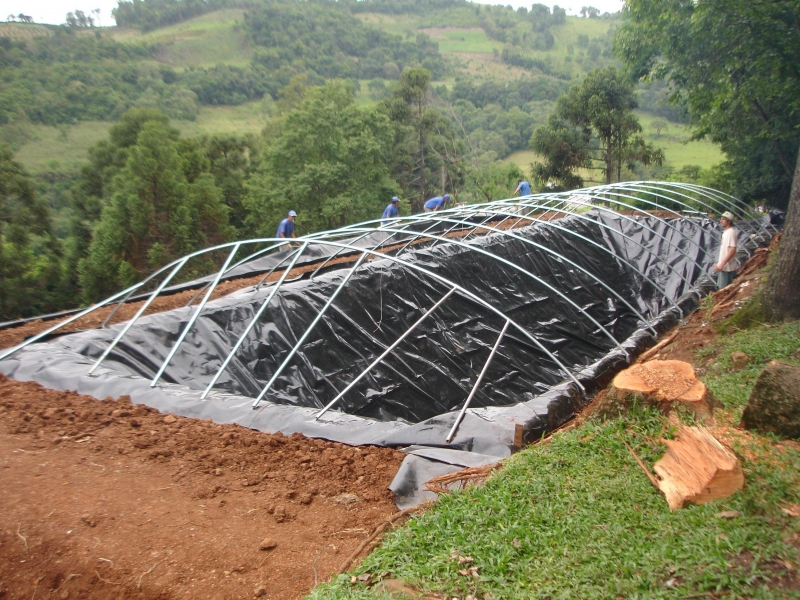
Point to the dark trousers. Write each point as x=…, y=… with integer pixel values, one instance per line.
x=724, y=278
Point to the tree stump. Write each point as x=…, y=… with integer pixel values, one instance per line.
x=697, y=468
x=663, y=384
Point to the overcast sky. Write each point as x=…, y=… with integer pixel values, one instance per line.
x=54, y=11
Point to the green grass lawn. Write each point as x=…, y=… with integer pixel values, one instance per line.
x=678, y=148
x=204, y=41
x=242, y=119
x=577, y=518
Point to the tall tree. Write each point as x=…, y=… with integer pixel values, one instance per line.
x=593, y=126
x=426, y=149
x=328, y=162
x=155, y=214
x=780, y=297
x=106, y=159
x=734, y=65
x=29, y=253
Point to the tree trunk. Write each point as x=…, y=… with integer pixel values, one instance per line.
x=781, y=299
x=421, y=155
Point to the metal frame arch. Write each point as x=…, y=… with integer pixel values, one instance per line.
x=538, y=280
x=647, y=188
x=581, y=268
x=592, y=242
x=731, y=203
x=581, y=216
x=634, y=208
x=478, y=300
x=559, y=198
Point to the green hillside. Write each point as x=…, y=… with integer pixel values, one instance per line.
x=205, y=41
x=220, y=38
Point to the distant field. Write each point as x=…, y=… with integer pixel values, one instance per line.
x=242, y=119
x=678, y=150
x=204, y=41
x=23, y=30
x=66, y=151
x=405, y=25
x=462, y=40
x=61, y=148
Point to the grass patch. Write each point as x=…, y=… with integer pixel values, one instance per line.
x=241, y=119
x=60, y=148
x=678, y=148
x=463, y=40
x=576, y=517
x=762, y=344
x=205, y=41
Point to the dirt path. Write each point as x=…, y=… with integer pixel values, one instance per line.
x=106, y=499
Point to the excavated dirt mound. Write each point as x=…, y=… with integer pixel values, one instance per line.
x=104, y=499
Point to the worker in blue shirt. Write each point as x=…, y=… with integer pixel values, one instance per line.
x=391, y=211
x=286, y=227
x=436, y=203
x=523, y=188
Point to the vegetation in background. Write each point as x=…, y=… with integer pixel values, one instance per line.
x=329, y=161
x=732, y=66
x=592, y=127
x=29, y=253
x=447, y=127
x=162, y=204
x=426, y=148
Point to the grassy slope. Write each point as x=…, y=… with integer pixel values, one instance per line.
x=204, y=41
x=67, y=145
x=576, y=517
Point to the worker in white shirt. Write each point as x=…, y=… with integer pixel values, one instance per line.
x=727, y=265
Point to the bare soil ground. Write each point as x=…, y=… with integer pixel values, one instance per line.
x=110, y=500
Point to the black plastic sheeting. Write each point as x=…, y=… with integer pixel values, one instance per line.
x=413, y=396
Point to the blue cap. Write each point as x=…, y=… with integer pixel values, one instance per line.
x=395, y=199
x=292, y=213
x=446, y=196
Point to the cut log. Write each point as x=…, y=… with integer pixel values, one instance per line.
x=697, y=468
x=663, y=384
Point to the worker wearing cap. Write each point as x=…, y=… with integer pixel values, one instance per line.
x=727, y=265
x=523, y=188
x=436, y=203
x=286, y=227
x=391, y=211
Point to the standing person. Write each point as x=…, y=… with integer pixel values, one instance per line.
x=391, y=211
x=523, y=188
x=727, y=265
x=286, y=227
x=436, y=203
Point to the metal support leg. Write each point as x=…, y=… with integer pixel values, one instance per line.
x=460, y=417
x=385, y=353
